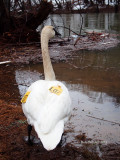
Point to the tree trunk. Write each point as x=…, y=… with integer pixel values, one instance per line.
x=4, y=16
x=33, y=21
x=117, y=6
x=22, y=25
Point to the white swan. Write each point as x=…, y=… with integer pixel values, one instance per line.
x=48, y=105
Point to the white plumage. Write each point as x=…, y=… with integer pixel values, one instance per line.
x=44, y=110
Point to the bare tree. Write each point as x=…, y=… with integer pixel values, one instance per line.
x=117, y=2
x=4, y=15
x=23, y=18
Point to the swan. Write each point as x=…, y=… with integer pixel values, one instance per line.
x=47, y=103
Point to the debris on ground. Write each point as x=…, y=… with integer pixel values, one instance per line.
x=31, y=52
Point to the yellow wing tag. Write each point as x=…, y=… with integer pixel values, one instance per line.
x=24, y=99
x=56, y=90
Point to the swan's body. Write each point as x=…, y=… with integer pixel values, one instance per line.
x=47, y=111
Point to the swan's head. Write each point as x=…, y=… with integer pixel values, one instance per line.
x=49, y=31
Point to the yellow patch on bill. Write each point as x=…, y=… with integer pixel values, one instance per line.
x=24, y=99
x=56, y=90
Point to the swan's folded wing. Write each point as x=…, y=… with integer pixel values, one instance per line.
x=57, y=109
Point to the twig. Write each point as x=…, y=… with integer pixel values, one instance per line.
x=103, y=120
x=22, y=85
x=33, y=43
x=81, y=23
x=5, y=62
x=69, y=29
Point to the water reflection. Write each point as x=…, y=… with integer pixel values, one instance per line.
x=25, y=78
x=88, y=100
x=109, y=22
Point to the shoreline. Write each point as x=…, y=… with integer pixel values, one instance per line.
x=31, y=53
x=92, y=9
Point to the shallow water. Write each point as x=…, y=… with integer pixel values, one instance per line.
x=108, y=22
x=95, y=92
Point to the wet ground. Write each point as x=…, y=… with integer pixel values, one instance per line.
x=93, y=80
x=63, y=47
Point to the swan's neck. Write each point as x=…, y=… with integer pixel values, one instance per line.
x=48, y=69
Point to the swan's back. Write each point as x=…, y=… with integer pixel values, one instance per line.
x=47, y=111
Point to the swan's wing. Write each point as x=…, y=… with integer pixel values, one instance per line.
x=57, y=109
x=35, y=101
x=50, y=125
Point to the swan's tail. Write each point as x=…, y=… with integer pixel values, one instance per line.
x=51, y=139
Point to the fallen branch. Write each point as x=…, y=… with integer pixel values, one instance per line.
x=103, y=120
x=36, y=43
x=69, y=29
x=22, y=85
x=4, y=62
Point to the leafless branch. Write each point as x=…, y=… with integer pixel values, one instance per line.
x=69, y=29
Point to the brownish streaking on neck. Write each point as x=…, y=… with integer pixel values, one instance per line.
x=47, y=65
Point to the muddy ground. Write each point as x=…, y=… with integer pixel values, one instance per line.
x=13, y=126
x=60, y=49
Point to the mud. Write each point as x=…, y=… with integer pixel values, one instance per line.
x=13, y=128
x=60, y=49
